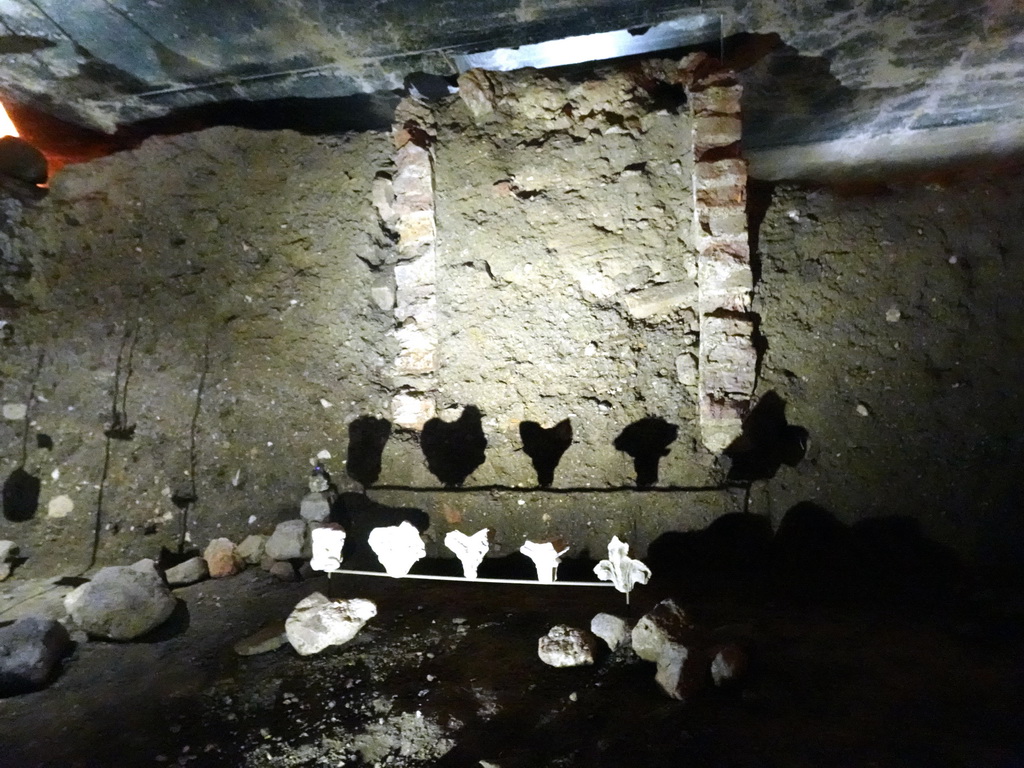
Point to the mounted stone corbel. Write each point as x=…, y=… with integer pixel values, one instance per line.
x=470, y=550
x=328, y=542
x=398, y=547
x=545, y=555
x=620, y=569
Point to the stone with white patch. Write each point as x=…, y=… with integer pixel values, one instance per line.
x=317, y=623
x=565, y=646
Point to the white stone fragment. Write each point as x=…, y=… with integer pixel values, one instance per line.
x=545, y=557
x=665, y=624
x=323, y=455
x=328, y=542
x=893, y=315
x=620, y=569
x=470, y=550
x=680, y=671
x=317, y=622
x=398, y=547
x=314, y=507
x=566, y=646
x=15, y=411
x=613, y=630
x=60, y=506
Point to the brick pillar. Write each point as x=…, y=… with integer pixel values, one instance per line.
x=727, y=357
x=416, y=271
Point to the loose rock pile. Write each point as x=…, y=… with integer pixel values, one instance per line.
x=687, y=657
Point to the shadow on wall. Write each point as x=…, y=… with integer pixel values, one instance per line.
x=767, y=442
x=21, y=495
x=545, y=447
x=647, y=441
x=455, y=449
x=367, y=436
x=811, y=557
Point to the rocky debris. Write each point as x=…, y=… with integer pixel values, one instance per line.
x=8, y=551
x=283, y=570
x=315, y=507
x=613, y=630
x=565, y=646
x=665, y=624
x=267, y=639
x=398, y=547
x=288, y=541
x=120, y=603
x=30, y=650
x=222, y=558
x=20, y=160
x=728, y=663
x=317, y=623
x=188, y=572
x=252, y=548
x=682, y=670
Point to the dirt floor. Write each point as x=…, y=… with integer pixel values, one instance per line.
x=852, y=665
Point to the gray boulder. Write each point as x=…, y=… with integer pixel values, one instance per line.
x=188, y=572
x=315, y=507
x=565, y=646
x=288, y=540
x=30, y=650
x=251, y=549
x=120, y=603
x=317, y=623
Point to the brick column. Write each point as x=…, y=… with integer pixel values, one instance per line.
x=727, y=357
x=416, y=270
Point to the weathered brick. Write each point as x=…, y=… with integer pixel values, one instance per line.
x=716, y=100
x=716, y=131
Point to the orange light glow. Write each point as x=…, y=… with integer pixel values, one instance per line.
x=6, y=124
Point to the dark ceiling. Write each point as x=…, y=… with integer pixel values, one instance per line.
x=868, y=73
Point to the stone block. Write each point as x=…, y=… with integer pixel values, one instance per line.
x=664, y=624
x=716, y=131
x=417, y=350
x=189, y=572
x=317, y=623
x=222, y=559
x=728, y=172
x=414, y=231
x=716, y=100
x=477, y=92
x=252, y=548
x=661, y=299
x=412, y=411
x=288, y=541
x=566, y=646
x=315, y=507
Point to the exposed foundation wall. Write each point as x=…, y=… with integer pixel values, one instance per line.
x=247, y=286
x=216, y=290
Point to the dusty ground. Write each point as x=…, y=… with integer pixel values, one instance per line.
x=447, y=675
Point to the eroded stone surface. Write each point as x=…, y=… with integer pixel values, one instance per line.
x=565, y=646
x=317, y=622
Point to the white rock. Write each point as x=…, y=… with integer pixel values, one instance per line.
x=728, y=663
x=15, y=411
x=317, y=623
x=681, y=672
x=315, y=508
x=398, y=547
x=470, y=550
x=565, y=646
x=8, y=550
x=188, y=572
x=666, y=623
x=60, y=506
x=613, y=630
x=545, y=557
x=288, y=540
x=328, y=543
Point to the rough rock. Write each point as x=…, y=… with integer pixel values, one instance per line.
x=146, y=565
x=613, y=630
x=120, y=603
x=666, y=623
x=728, y=663
x=283, y=570
x=30, y=649
x=222, y=558
x=8, y=551
x=315, y=507
x=682, y=671
x=188, y=572
x=317, y=623
x=269, y=638
x=288, y=541
x=565, y=646
x=252, y=548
